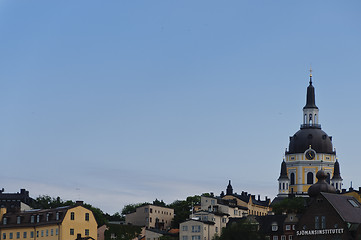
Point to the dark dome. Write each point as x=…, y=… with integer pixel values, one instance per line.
x=321, y=185
x=318, y=139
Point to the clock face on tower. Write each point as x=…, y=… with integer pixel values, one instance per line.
x=310, y=154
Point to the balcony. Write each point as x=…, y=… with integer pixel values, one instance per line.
x=310, y=126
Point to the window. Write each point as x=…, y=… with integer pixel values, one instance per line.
x=288, y=227
x=37, y=234
x=150, y=219
x=353, y=203
x=10, y=235
x=184, y=237
x=216, y=229
x=32, y=219
x=51, y=232
x=72, y=216
x=25, y=234
x=42, y=233
x=56, y=231
x=184, y=228
x=57, y=216
x=275, y=238
x=31, y=234
x=86, y=216
x=290, y=237
x=196, y=228
x=86, y=232
x=317, y=222
x=38, y=218
x=71, y=231
x=293, y=227
x=18, y=219
x=328, y=180
x=151, y=210
x=323, y=222
x=196, y=237
x=310, y=178
x=5, y=221
x=292, y=176
x=17, y=235
x=283, y=237
x=146, y=210
x=4, y=235
x=274, y=227
x=47, y=232
x=47, y=217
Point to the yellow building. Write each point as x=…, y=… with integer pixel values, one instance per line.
x=63, y=223
x=310, y=150
x=254, y=206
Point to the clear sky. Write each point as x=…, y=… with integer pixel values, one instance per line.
x=118, y=102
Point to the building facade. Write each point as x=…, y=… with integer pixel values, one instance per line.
x=194, y=229
x=254, y=206
x=310, y=149
x=15, y=202
x=151, y=216
x=64, y=223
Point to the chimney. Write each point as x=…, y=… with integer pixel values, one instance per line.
x=259, y=197
x=79, y=203
x=212, y=194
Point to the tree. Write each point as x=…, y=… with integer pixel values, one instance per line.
x=290, y=205
x=121, y=232
x=182, y=209
x=160, y=203
x=241, y=230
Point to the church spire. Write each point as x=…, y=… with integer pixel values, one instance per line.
x=283, y=174
x=310, y=110
x=310, y=99
x=229, y=190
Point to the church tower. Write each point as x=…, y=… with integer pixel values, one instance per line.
x=310, y=150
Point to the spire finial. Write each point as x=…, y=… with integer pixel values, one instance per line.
x=310, y=75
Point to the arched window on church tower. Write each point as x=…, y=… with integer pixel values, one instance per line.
x=305, y=119
x=292, y=176
x=310, y=178
x=315, y=118
x=310, y=120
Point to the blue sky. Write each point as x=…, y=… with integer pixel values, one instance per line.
x=119, y=102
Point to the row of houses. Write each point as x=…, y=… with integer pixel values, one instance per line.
x=18, y=221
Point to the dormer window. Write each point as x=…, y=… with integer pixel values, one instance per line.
x=57, y=216
x=274, y=227
x=353, y=203
x=38, y=218
x=32, y=219
x=47, y=217
x=18, y=219
x=5, y=221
